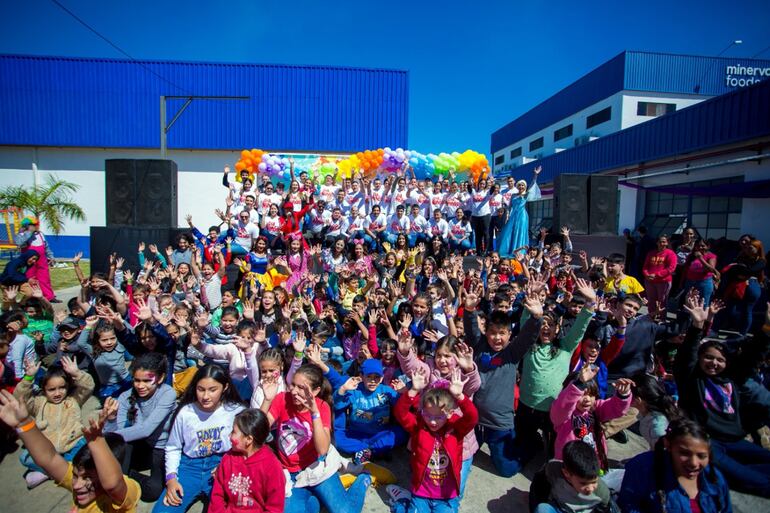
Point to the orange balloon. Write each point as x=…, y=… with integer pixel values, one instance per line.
x=381, y=151
x=245, y=154
x=240, y=166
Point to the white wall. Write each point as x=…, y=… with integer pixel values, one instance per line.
x=200, y=188
x=755, y=212
x=631, y=99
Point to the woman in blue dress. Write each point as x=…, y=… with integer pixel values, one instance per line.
x=515, y=234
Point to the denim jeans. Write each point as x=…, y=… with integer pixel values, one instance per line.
x=704, y=287
x=415, y=238
x=195, y=476
x=26, y=459
x=465, y=471
x=506, y=456
x=348, y=441
x=331, y=495
x=461, y=246
x=746, y=466
x=425, y=505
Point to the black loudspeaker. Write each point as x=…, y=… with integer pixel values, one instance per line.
x=570, y=203
x=125, y=241
x=603, y=205
x=141, y=192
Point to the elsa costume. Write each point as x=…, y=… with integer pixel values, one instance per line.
x=515, y=234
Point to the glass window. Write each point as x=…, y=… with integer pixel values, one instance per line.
x=516, y=152
x=536, y=144
x=499, y=159
x=598, y=118
x=563, y=132
x=654, y=109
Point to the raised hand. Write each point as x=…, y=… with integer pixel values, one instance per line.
x=587, y=373
x=37, y=292
x=110, y=410
x=538, y=169
x=70, y=366
x=419, y=379
x=471, y=301
x=623, y=386
x=77, y=257
x=533, y=306
x=398, y=385
x=31, y=366
x=202, y=320
x=350, y=385
x=11, y=293
x=585, y=289
x=457, y=383
x=260, y=333
x=431, y=335
x=144, y=313
x=464, y=355
x=141, y=247
x=694, y=306
x=405, y=342
x=12, y=411
x=299, y=342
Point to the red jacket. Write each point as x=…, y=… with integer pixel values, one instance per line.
x=423, y=439
x=255, y=484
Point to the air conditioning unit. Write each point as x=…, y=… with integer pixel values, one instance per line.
x=581, y=140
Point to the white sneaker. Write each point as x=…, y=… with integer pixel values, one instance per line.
x=35, y=478
x=398, y=493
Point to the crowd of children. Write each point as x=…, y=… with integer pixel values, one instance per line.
x=267, y=364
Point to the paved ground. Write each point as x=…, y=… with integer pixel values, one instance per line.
x=485, y=491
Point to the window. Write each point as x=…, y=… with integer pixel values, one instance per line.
x=598, y=118
x=536, y=144
x=540, y=216
x=516, y=152
x=499, y=159
x=713, y=217
x=654, y=109
x=563, y=132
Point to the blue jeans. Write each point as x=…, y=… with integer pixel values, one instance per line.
x=506, y=456
x=244, y=388
x=391, y=237
x=424, y=505
x=350, y=442
x=115, y=389
x=704, y=287
x=415, y=238
x=331, y=495
x=746, y=466
x=26, y=459
x=544, y=507
x=195, y=476
x=465, y=471
x=462, y=246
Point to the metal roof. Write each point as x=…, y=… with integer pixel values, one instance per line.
x=112, y=103
x=738, y=116
x=632, y=71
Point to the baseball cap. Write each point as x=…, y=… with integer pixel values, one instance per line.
x=371, y=366
x=69, y=322
x=29, y=220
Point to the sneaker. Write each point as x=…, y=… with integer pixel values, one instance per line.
x=620, y=437
x=35, y=478
x=362, y=456
x=398, y=493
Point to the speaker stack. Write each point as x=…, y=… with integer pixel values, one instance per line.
x=141, y=197
x=586, y=204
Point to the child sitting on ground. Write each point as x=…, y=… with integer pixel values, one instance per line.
x=369, y=431
x=57, y=411
x=572, y=484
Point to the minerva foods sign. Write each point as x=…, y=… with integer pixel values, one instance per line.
x=742, y=76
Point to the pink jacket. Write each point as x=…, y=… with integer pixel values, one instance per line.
x=411, y=363
x=566, y=421
x=661, y=264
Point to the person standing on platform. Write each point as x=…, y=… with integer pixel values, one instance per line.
x=515, y=234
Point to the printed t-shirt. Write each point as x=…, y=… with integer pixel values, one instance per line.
x=296, y=449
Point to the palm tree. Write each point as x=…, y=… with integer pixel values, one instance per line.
x=49, y=202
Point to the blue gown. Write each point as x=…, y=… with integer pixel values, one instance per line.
x=515, y=234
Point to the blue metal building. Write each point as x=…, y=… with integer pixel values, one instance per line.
x=111, y=103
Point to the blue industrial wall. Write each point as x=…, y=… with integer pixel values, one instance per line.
x=56, y=101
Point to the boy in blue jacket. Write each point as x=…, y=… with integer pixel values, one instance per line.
x=370, y=430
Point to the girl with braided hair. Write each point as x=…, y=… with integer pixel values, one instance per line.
x=142, y=417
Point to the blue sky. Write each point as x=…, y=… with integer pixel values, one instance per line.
x=473, y=66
